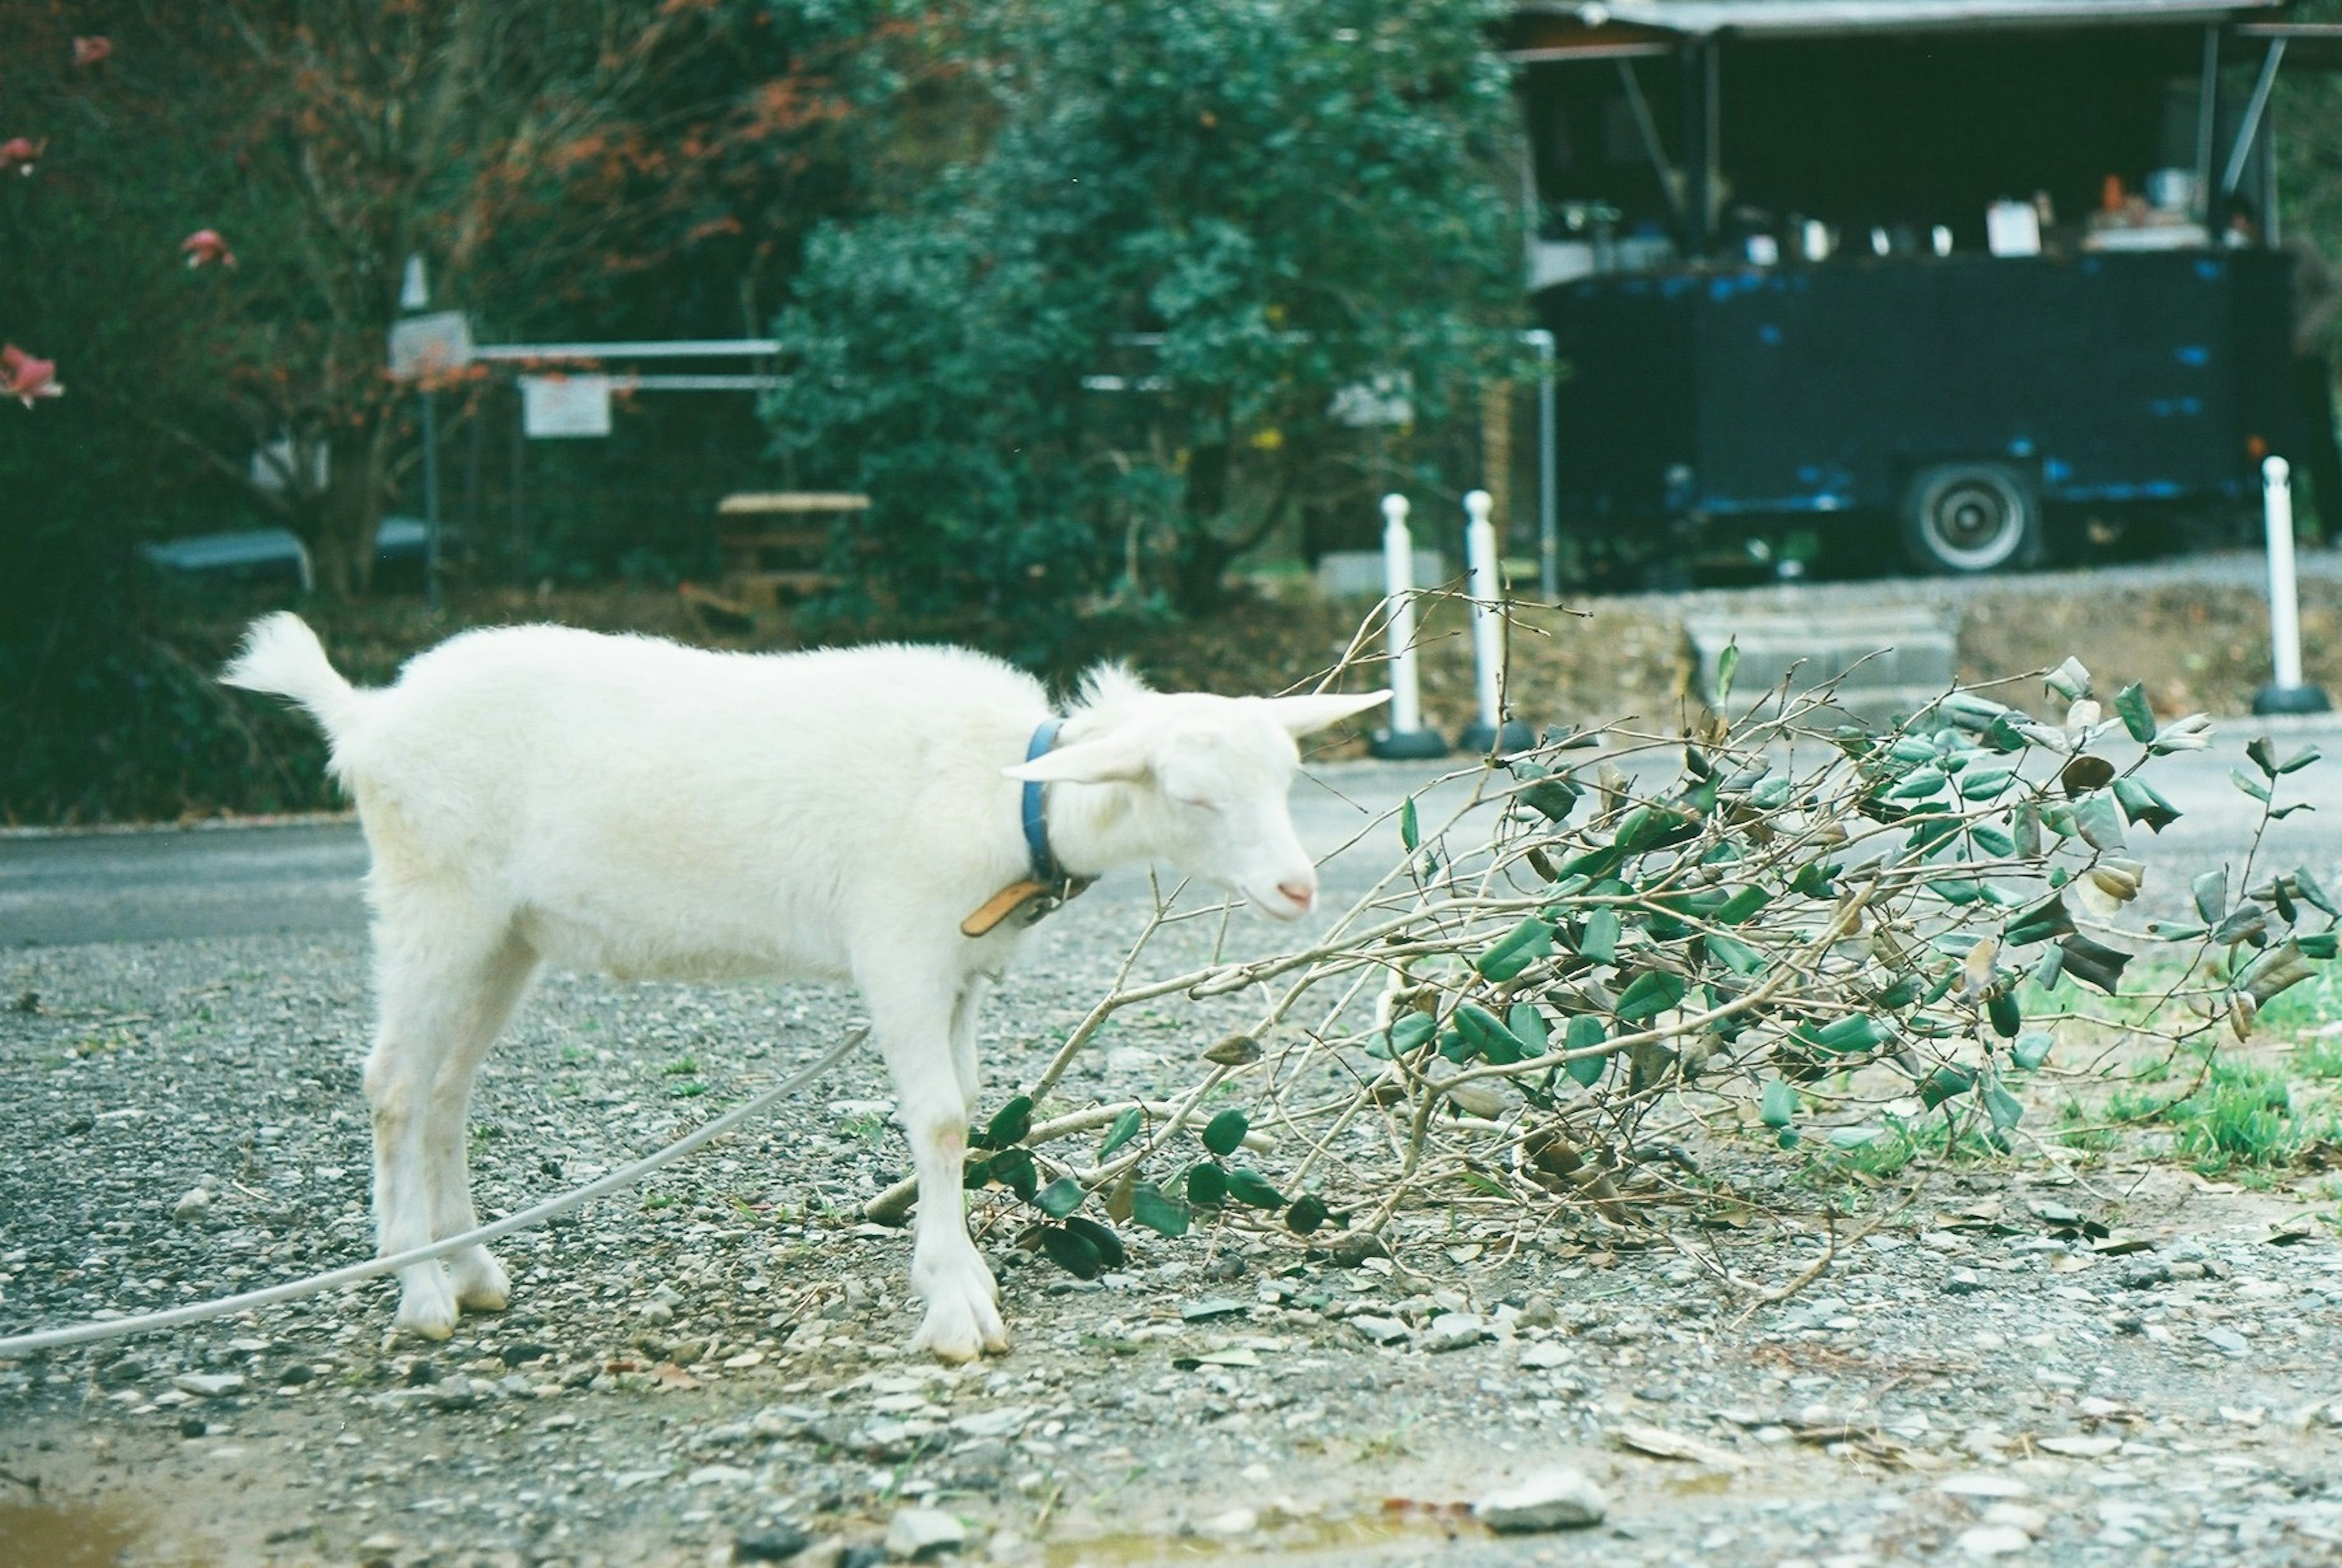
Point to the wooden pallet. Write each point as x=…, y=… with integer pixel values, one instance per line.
x=764, y=566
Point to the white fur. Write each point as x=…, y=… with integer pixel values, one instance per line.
x=540, y=795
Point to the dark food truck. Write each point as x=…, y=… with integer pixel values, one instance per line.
x=1967, y=278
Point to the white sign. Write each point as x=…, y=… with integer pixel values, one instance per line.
x=430, y=344
x=565, y=406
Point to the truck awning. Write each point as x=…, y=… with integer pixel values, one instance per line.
x=1550, y=29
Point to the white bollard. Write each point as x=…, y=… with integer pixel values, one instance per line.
x=2286, y=694
x=1407, y=737
x=1484, y=583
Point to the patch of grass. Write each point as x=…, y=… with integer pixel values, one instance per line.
x=2077, y=1128
x=2321, y=1059
x=2242, y=1121
x=1887, y=1152
x=682, y=1066
x=2312, y=1003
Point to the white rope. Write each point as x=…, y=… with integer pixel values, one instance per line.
x=199, y=1311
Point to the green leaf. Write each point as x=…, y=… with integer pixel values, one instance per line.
x=2299, y=760
x=1225, y=1132
x=1411, y=1031
x=1126, y=1128
x=1734, y=954
x=1858, y=1032
x=1108, y=1246
x=2007, y=1018
x=2098, y=821
x=2094, y=963
x=1165, y=1216
x=2210, y=890
x=1009, y=1124
x=2024, y=823
x=1072, y=1252
x=2137, y=716
x=2142, y=804
x=1982, y=783
x=2320, y=945
x=1918, y=784
x=1410, y=833
x=1780, y=1104
x=1992, y=841
x=2263, y=753
x=1743, y=904
x=2002, y=1106
x=1728, y=664
x=1585, y=1031
x=2252, y=787
x=1653, y=993
x=1014, y=1169
x=2308, y=887
x=1947, y=1083
x=1487, y=1034
x=2045, y=919
x=1307, y=1215
x=1251, y=1188
x=2031, y=1049
x=1528, y=1026
x=1518, y=948
x=1059, y=1198
x=1600, y=942
x=1207, y=1185
x=1551, y=798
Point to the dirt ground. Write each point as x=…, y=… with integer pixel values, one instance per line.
x=2089, y=1357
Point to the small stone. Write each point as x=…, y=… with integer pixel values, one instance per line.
x=522, y=1352
x=1545, y=1353
x=719, y=1475
x=209, y=1384
x=1355, y=1247
x=1962, y=1282
x=2226, y=1340
x=1993, y=1541
x=1982, y=1483
x=376, y=1549
x=293, y=1373
x=917, y=1532
x=192, y=1205
x=1379, y=1329
x=1536, y=1313
x=657, y=1312
x=193, y=1426
x=1212, y=1307
x=1454, y=1331
x=1235, y=1521
x=2018, y=1516
x=769, y=1543
x=1559, y=1498
x=2079, y=1447
x=455, y=1393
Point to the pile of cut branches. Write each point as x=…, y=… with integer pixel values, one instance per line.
x=1623, y=944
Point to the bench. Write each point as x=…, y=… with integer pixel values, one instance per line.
x=764, y=564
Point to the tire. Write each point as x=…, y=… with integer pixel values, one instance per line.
x=1965, y=518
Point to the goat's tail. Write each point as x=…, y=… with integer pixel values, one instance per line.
x=282, y=656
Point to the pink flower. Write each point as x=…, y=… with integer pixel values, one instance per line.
x=25, y=378
x=205, y=245
x=92, y=51
x=21, y=152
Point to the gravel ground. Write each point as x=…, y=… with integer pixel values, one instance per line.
x=709, y=1371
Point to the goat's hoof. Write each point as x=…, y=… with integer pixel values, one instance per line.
x=479, y=1282
x=961, y=1331
x=425, y=1306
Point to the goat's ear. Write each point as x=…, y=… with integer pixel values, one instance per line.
x=1305, y=715
x=1109, y=759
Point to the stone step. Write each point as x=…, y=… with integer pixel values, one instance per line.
x=1887, y=661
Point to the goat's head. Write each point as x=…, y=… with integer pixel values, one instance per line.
x=1204, y=780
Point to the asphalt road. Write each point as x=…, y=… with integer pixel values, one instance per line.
x=64, y=889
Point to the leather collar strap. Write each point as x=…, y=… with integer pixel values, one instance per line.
x=1048, y=886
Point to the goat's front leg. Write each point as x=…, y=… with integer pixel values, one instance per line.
x=915, y=1029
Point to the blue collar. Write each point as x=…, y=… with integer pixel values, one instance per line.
x=1045, y=869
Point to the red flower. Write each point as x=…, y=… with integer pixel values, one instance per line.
x=25, y=378
x=89, y=52
x=21, y=152
x=205, y=245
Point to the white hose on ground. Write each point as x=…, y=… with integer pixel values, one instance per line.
x=293, y=1290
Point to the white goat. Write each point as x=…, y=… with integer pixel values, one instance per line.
x=537, y=794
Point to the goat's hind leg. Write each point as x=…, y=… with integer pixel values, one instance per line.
x=478, y=1281
x=446, y=984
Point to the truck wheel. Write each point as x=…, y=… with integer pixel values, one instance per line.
x=1967, y=517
